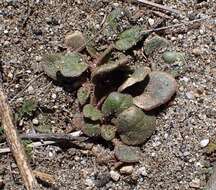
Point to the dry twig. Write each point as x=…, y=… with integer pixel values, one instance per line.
x=162, y=7
x=15, y=144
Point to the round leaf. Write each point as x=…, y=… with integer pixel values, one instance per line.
x=161, y=87
x=92, y=113
x=134, y=126
x=129, y=38
x=116, y=103
x=108, y=132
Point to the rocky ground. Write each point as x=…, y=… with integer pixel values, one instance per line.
x=174, y=157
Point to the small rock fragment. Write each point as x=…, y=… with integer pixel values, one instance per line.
x=89, y=182
x=161, y=87
x=204, y=143
x=127, y=154
x=114, y=175
x=154, y=43
x=75, y=40
x=195, y=183
x=35, y=121
x=142, y=171
x=151, y=21
x=126, y=170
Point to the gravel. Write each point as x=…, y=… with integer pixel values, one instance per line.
x=174, y=158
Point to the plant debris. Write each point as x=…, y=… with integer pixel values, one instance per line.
x=161, y=87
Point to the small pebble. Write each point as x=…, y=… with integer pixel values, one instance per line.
x=195, y=183
x=126, y=170
x=35, y=121
x=114, y=175
x=151, y=21
x=89, y=182
x=142, y=171
x=30, y=89
x=204, y=143
x=50, y=154
x=54, y=96
x=189, y=95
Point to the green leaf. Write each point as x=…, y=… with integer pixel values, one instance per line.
x=173, y=56
x=154, y=43
x=27, y=109
x=116, y=103
x=113, y=17
x=92, y=113
x=134, y=126
x=91, y=129
x=83, y=95
x=69, y=65
x=108, y=132
x=129, y=38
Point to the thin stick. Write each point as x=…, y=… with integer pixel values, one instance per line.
x=23, y=90
x=163, y=7
x=15, y=144
x=175, y=25
x=52, y=137
x=101, y=58
x=33, y=145
x=74, y=136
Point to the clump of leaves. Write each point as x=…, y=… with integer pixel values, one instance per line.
x=111, y=113
x=27, y=109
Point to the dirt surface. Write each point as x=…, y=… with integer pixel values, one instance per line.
x=173, y=157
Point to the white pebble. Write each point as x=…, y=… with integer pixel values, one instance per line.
x=115, y=4
x=189, y=95
x=204, y=143
x=142, y=171
x=30, y=89
x=114, y=175
x=54, y=96
x=89, y=182
x=50, y=154
x=35, y=121
x=151, y=21
x=126, y=170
